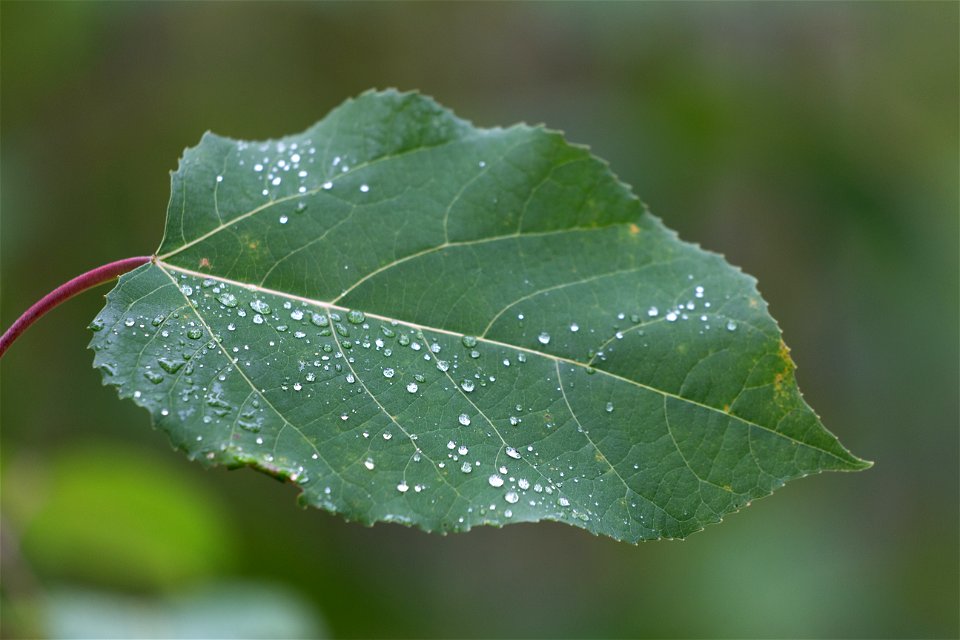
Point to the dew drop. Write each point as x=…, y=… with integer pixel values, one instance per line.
x=260, y=307
x=731, y=325
x=466, y=467
x=495, y=480
x=464, y=419
x=388, y=373
x=469, y=341
x=511, y=497
x=609, y=407
x=574, y=327
x=467, y=385
x=368, y=463
x=412, y=387
x=653, y=312
x=356, y=317
x=402, y=487
x=513, y=453
x=543, y=338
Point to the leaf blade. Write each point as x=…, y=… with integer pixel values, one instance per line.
x=512, y=335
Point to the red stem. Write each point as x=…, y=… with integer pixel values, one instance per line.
x=66, y=291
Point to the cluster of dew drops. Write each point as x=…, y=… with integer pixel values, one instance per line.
x=289, y=169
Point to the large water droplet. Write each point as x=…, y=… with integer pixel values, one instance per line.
x=227, y=299
x=260, y=307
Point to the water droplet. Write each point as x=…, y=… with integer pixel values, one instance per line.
x=96, y=325
x=469, y=341
x=523, y=483
x=543, y=338
x=356, y=317
x=443, y=365
x=563, y=502
x=327, y=185
x=301, y=206
x=466, y=467
x=129, y=322
x=731, y=325
x=260, y=307
x=609, y=407
x=467, y=385
x=514, y=420
x=402, y=487
x=412, y=387
x=653, y=312
x=195, y=333
x=511, y=497
x=388, y=373
x=364, y=188
x=574, y=327
x=495, y=480
x=153, y=376
x=368, y=463
x=463, y=450
x=671, y=317
x=283, y=219
x=319, y=320
x=387, y=435
x=170, y=365
x=513, y=453
x=464, y=419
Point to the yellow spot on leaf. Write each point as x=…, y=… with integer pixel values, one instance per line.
x=634, y=229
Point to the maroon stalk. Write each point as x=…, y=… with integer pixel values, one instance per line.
x=66, y=291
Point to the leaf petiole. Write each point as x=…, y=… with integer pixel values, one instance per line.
x=66, y=291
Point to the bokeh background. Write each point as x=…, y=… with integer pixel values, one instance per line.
x=815, y=144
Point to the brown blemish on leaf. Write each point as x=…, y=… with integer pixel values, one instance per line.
x=204, y=263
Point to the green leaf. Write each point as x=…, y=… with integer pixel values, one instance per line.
x=420, y=321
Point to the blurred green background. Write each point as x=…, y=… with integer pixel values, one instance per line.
x=815, y=144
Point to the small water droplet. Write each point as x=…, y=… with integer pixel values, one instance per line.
x=402, y=487
x=412, y=387
x=356, y=317
x=511, y=497
x=368, y=463
x=563, y=502
x=388, y=373
x=464, y=419
x=466, y=467
x=467, y=385
x=153, y=376
x=469, y=341
x=653, y=312
x=731, y=325
x=495, y=480
x=364, y=188
x=195, y=333
x=513, y=453
x=387, y=435
x=543, y=338
x=574, y=327
x=609, y=407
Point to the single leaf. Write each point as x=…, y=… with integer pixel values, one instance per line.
x=420, y=321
